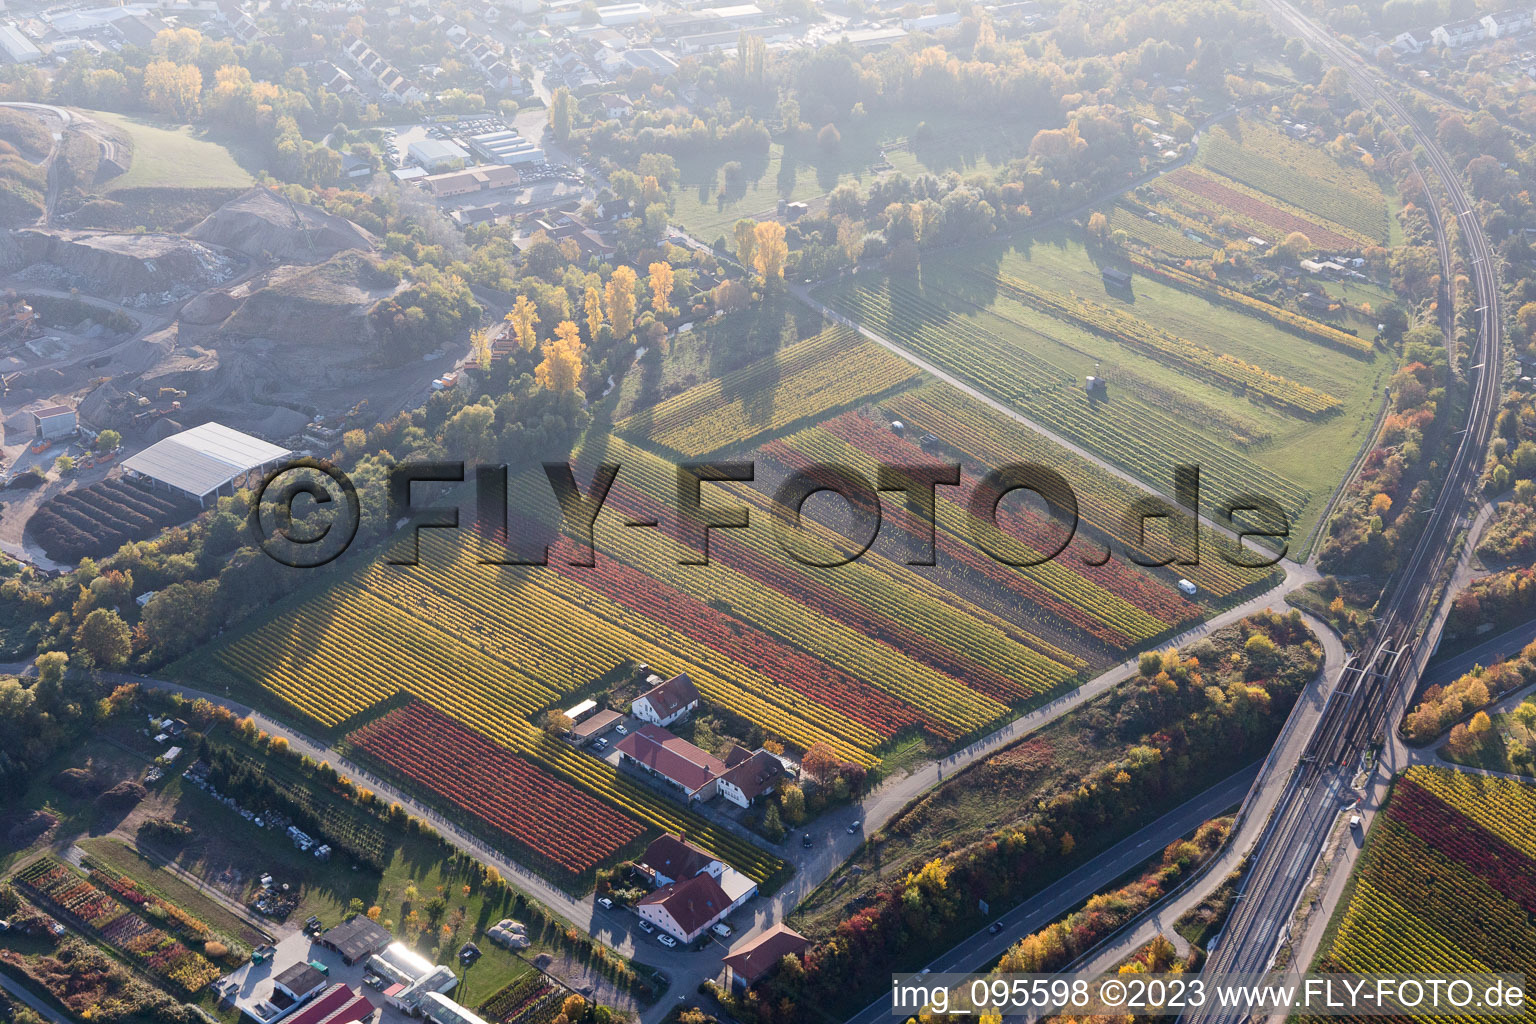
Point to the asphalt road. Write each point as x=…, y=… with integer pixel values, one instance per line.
x=21, y=995
x=981, y=949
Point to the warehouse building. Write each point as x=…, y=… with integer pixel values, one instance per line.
x=473, y=179
x=506, y=147
x=205, y=461
x=437, y=155
x=18, y=47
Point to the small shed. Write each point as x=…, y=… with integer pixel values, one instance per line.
x=1114, y=277
x=54, y=421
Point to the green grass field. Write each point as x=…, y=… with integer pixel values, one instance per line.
x=803, y=171
x=1310, y=454
x=172, y=157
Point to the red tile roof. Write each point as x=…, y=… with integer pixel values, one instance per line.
x=756, y=958
x=674, y=858
x=692, y=902
x=671, y=696
x=756, y=775
x=669, y=755
x=336, y=1005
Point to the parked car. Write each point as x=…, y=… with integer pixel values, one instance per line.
x=722, y=929
x=667, y=940
x=854, y=826
x=605, y=902
x=621, y=729
x=805, y=840
x=646, y=926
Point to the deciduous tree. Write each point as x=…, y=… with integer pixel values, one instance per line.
x=620, y=299
x=563, y=363
x=661, y=281
x=770, y=251
x=524, y=318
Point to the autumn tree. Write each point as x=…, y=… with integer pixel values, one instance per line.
x=172, y=89
x=563, y=364
x=1295, y=245
x=770, y=251
x=745, y=236
x=1098, y=227
x=524, y=317
x=820, y=762
x=103, y=639
x=731, y=296
x=593, y=307
x=480, y=347
x=661, y=281
x=620, y=300
x=1525, y=318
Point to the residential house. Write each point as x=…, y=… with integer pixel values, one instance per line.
x=749, y=776
x=751, y=961
x=668, y=701
x=685, y=909
x=1458, y=33
x=1502, y=24
x=669, y=859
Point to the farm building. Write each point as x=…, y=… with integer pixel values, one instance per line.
x=685, y=909
x=749, y=962
x=596, y=725
x=666, y=702
x=576, y=712
x=356, y=939
x=439, y=1009
x=336, y=1005
x=690, y=769
x=53, y=421
x=297, y=984
x=203, y=461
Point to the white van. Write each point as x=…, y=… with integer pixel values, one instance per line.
x=722, y=929
x=1187, y=588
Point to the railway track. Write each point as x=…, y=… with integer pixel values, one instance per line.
x=1389, y=666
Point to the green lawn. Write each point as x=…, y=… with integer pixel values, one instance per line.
x=802, y=170
x=172, y=157
x=1313, y=454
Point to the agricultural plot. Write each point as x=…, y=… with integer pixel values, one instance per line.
x=103, y=912
x=1300, y=175
x=99, y=519
x=517, y=800
x=1447, y=882
x=1252, y=211
x=861, y=658
x=532, y=999
x=835, y=369
x=1263, y=400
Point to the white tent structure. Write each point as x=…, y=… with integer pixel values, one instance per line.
x=203, y=461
